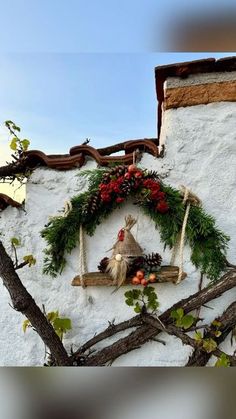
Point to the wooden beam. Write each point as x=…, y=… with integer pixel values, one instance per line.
x=166, y=274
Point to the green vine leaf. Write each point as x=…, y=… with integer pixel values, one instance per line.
x=52, y=315
x=30, y=260
x=188, y=321
x=209, y=345
x=13, y=144
x=216, y=323
x=182, y=320
x=198, y=337
x=15, y=241
x=25, y=144
x=223, y=361
x=26, y=324
x=61, y=325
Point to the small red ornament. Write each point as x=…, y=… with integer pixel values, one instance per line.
x=144, y=282
x=121, y=235
x=135, y=280
x=132, y=168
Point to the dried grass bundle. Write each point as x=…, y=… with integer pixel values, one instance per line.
x=117, y=267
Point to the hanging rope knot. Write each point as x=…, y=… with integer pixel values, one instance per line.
x=67, y=208
x=189, y=198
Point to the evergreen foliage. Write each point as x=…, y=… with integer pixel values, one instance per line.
x=208, y=244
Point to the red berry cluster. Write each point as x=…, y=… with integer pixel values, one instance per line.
x=119, y=186
x=156, y=195
x=114, y=186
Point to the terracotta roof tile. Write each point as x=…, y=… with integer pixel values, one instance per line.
x=6, y=201
x=103, y=156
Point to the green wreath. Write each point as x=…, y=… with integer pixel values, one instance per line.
x=107, y=190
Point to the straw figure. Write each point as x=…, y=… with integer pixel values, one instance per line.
x=125, y=250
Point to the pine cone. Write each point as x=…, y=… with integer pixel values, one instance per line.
x=103, y=265
x=152, y=260
x=147, y=262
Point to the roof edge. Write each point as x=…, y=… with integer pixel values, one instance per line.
x=6, y=201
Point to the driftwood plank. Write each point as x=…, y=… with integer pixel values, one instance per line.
x=165, y=274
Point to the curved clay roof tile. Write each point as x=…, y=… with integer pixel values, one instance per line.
x=6, y=201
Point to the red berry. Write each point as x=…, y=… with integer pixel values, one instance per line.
x=138, y=174
x=120, y=199
x=162, y=207
x=128, y=175
x=105, y=197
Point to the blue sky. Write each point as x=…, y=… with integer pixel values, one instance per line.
x=95, y=25
x=60, y=99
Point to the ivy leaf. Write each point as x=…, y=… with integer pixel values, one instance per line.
x=15, y=241
x=223, y=361
x=13, y=143
x=30, y=260
x=187, y=321
x=209, y=345
x=25, y=325
x=25, y=144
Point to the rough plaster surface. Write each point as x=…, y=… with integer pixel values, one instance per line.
x=201, y=154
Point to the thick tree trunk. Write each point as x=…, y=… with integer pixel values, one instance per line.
x=23, y=302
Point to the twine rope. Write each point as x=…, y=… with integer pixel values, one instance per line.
x=82, y=257
x=179, y=245
x=82, y=253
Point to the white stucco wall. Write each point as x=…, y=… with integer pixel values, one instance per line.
x=201, y=154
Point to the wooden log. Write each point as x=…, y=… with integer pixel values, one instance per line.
x=165, y=274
